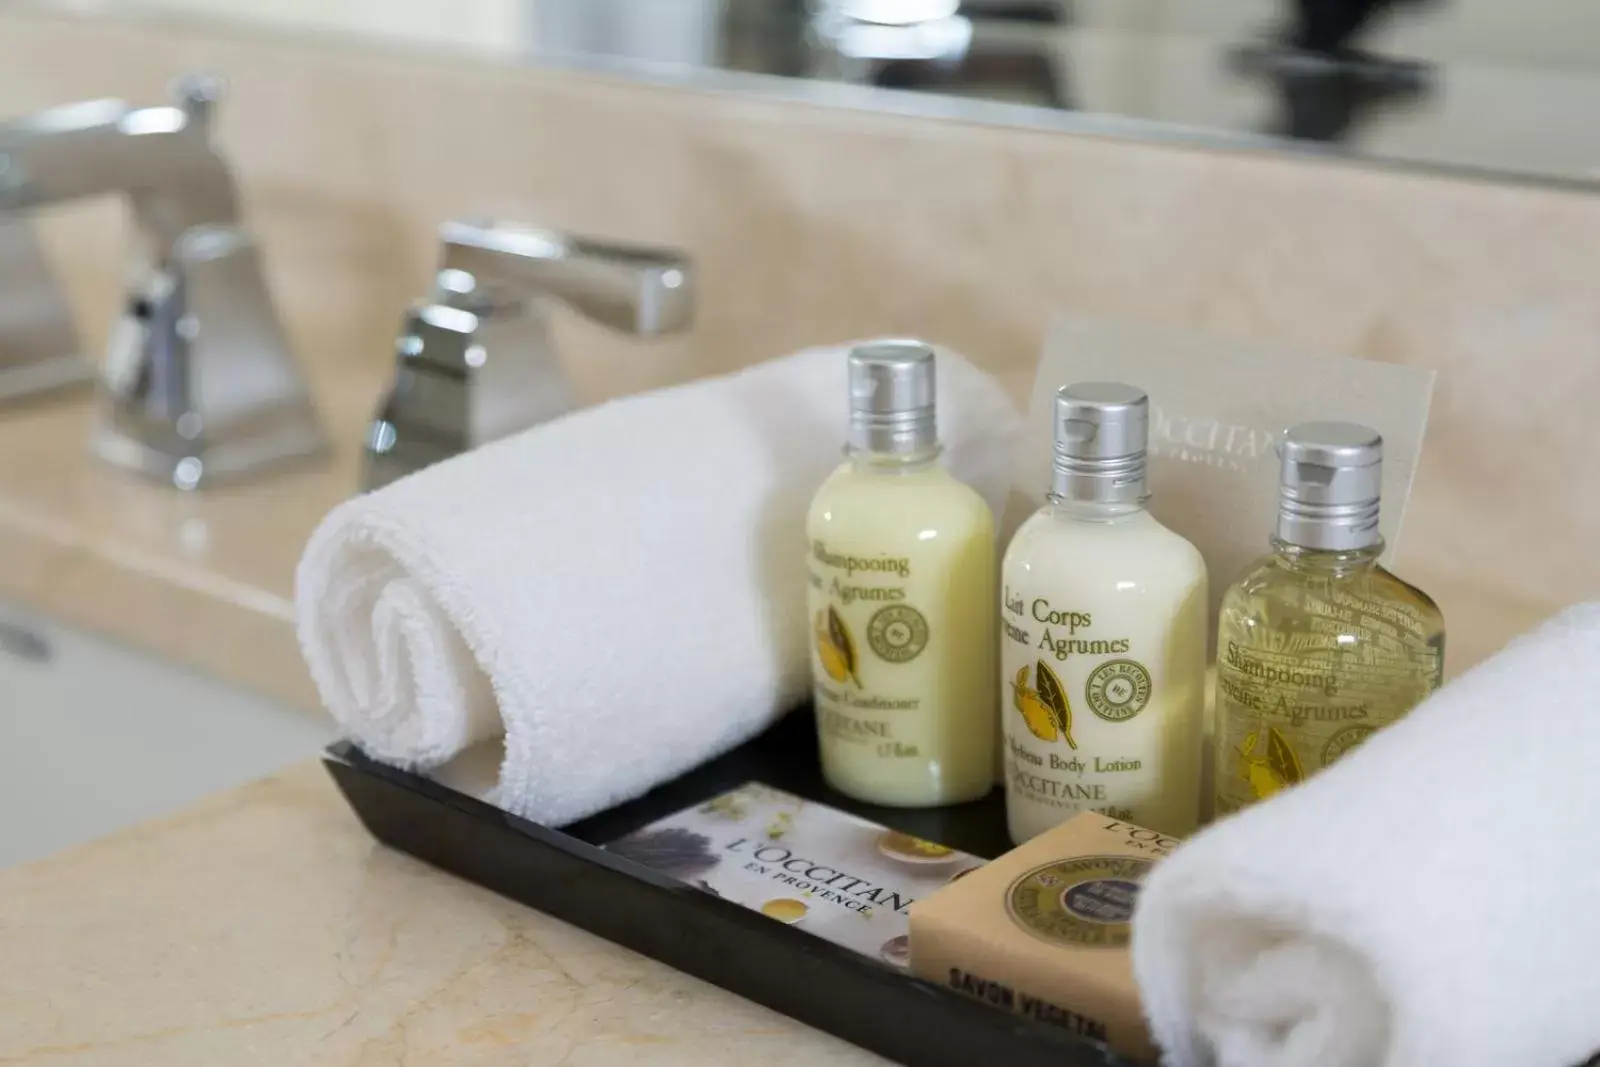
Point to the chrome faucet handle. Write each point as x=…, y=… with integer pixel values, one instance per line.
x=631, y=288
x=39, y=347
x=475, y=361
x=198, y=384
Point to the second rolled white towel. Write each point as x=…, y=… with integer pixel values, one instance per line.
x=1427, y=901
x=620, y=593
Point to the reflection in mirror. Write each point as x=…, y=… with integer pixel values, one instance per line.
x=1484, y=85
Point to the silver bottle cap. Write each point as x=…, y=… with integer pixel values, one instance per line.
x=892, y=389
x=1330, y=484
x=1101, y=432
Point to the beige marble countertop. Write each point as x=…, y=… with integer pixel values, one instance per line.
x=265, y=926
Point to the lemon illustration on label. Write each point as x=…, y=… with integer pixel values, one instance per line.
x=835, y=650
x=905, y=847
x=1045, y=708
x=1278, y=768
x=785, y=909
x=1033, y=711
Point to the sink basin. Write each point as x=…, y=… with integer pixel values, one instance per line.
x=95, y=737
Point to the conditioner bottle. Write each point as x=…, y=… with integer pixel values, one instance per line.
x=901, y=599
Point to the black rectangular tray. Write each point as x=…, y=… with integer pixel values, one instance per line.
x=566, y=873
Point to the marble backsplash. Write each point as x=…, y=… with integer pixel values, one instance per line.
x=812, y=224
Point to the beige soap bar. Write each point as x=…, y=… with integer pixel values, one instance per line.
x=1043, y=931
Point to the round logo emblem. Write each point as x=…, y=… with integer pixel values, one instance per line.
x=1085, y=902
x=1344, y=740
x=897, y=633
x=1117, y=690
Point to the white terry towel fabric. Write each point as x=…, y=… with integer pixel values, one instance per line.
x=1431, y=900
x=621, y=592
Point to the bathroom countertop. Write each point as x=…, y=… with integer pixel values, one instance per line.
x=265, y=926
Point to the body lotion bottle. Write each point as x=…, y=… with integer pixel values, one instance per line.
x=901, y=565
x=1103, y=635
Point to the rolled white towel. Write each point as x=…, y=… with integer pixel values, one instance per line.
x=621, y=592
x=1431, y=900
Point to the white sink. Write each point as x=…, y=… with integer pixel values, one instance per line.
x=95, y=737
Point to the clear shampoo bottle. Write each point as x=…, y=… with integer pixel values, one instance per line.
x=1318, y=646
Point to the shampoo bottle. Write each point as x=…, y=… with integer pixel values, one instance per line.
x=901, y=561
x=1318, y=646
x=1103, y=636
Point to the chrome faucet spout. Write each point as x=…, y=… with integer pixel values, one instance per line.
x=161, y=158
x=198, y=383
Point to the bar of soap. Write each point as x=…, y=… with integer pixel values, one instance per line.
x=1043, y=931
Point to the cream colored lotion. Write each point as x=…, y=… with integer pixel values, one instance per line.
x=1102, y=637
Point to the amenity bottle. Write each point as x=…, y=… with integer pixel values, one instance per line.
x=1318, y=646
x=1102, y=634
x=901, y=568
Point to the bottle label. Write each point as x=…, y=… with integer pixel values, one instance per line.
x=1075, y=684
x=1292, y=699
x=861, y=624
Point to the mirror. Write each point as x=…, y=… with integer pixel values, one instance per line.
x=1484, y=86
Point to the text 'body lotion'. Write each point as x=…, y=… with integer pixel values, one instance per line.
x=1102, y=635
x=901, y=599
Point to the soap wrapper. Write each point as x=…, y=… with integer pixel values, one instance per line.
x=829, y=873
x=1044, y=930
x=1217, y=409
